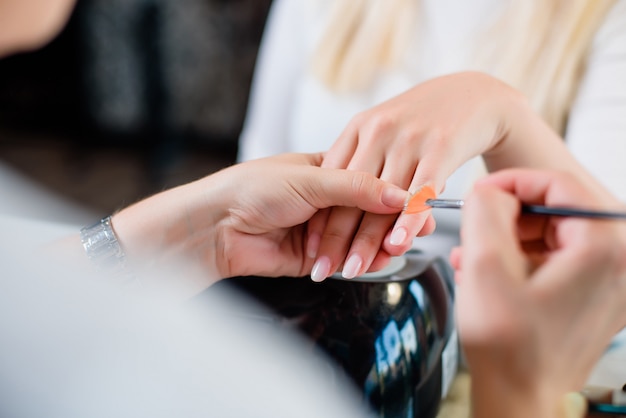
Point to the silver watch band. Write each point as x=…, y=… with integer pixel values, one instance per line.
x=104, y=250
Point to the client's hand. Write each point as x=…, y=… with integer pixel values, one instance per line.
x=539, y=298
x=417, y=138
x=250, y=219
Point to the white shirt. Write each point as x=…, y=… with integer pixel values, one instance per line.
x=291, y=111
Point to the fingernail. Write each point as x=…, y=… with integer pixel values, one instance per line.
x=312, y=245
x=394, y=197
x=321, y=269
x=352, y=267
x=398, y=236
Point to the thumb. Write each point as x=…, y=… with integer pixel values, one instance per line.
x=490, y=266
x=339, y=187
x=489, y=239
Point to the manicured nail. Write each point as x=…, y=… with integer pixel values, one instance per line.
x=321, y=269
x=398, y=236
x=352, y=267
x=395, y=197
x=312, y=245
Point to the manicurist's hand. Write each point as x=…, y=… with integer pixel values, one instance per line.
x=539, y=298
x=250, y=219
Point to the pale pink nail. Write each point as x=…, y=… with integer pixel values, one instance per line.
x=398, y=236
x=321, y=269
x=352, y=267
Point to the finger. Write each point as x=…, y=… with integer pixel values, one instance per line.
x=432, y=171
x=543, y=187
x=337, y=157
x=342, y=150
x=585, y=253
x=343, y=223
x=489, y=240
x=373, y=228
x=324, y=188
x=381, y=261
x=335, y=237
x=429, y=227
x=455, y=258
x=315, y=228
x=331, y=187
x=491, y=267
x=581, y=280
x=335, y=240
x=366, y=244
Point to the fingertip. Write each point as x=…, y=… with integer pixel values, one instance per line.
x=429, y=226
x=455, y=258
x=313, y=245
x=409, y=226
x=352, y=267
x=395, y=250
x=321, y=269
x=398, y=236
x=395, y=197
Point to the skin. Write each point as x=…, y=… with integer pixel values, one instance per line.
x=29, y=24
x=419, y=138
x=533, y=286
x=248, y=219
x=522, y=282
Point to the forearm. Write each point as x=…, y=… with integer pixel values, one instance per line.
x=527, y=141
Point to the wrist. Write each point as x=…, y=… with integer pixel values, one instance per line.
x=105, y=252
x=173, y=228
x=143, y=228
x=511, y=111
x=499, y=396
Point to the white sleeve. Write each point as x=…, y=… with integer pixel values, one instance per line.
x=279, y=64
x=596, y=131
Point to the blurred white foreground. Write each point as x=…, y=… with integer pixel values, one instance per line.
x=73, y=345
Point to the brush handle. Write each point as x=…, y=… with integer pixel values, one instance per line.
x=536, y=209
x=578, y=213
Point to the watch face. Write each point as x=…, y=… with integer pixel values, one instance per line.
x=391, y=335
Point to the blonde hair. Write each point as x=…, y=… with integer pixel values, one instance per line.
x=362, y=36
x=541, y=51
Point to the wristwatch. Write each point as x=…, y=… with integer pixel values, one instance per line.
x=104, y=250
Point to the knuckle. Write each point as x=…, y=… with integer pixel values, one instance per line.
x=358, y=120
x=379, y=124
x=439, y=135
x=370, y=237
x=361, y=183
x=486, y=256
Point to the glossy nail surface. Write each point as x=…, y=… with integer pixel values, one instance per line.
x=321, y=269
x=352, y=267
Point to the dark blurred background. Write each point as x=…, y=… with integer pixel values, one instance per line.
x=134, y=96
